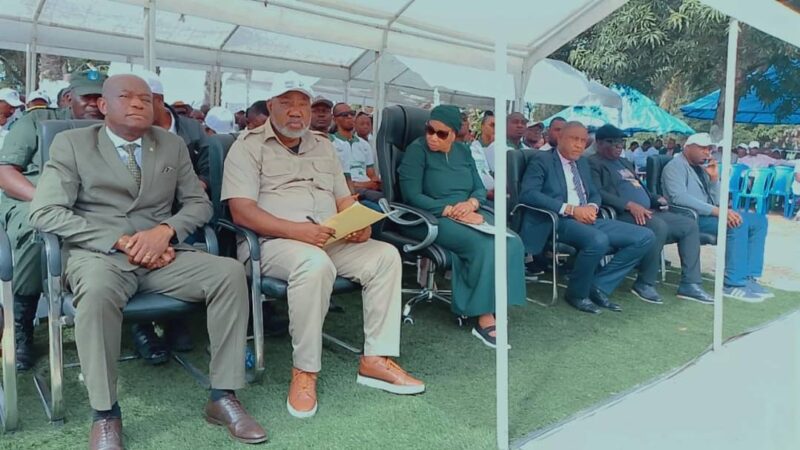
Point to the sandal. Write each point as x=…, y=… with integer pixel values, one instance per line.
x=484, y=334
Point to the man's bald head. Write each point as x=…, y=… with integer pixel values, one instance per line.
x=128, y=106
x=572, y=141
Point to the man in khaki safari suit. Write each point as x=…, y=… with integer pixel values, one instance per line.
x=281, y=180
x=108, y=192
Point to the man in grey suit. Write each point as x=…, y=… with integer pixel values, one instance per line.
x=691, y=180
x=108, y=191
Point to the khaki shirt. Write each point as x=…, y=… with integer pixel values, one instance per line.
x=287, y=185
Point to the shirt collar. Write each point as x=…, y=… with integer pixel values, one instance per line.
x=173, y=127
x=305, y=140
x=564, y=161
x=352, y=140
x=120, y=142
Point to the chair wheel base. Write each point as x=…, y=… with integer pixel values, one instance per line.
x=408, y=320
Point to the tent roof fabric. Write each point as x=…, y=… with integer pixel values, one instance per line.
x=321, y=38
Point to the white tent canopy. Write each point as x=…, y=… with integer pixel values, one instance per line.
x=321, y=38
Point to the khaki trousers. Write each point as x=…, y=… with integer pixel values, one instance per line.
x=310, y=273
x=102, y=289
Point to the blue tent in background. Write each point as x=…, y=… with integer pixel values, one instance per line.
x=638, y=114
x=751, y=109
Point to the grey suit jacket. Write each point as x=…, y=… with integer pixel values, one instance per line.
x=682, y=187
x=87, y=196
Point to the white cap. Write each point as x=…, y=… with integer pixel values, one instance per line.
x=152, y=79
x=742, y=145
x=754, y=144
x=290, y=81
x=220, y=120
x=701, y=139
x=38, y=95
x=11, y=97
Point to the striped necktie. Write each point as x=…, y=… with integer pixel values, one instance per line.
x=576, y=179
x=132, y=166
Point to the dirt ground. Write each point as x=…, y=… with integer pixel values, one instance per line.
x=782, y=255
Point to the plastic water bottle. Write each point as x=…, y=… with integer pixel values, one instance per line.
x=249, y=358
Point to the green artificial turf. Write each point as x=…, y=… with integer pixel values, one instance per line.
x=562, y=361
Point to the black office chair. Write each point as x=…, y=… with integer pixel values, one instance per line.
x=655, y=167
x=400, y=126
x=262, y=288
x=9, y=414
x=61, y=311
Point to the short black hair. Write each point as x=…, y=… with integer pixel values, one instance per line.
x=364, y=113
x=557, y=119
x=259, y=107
x=486, y=117
x=339, y=104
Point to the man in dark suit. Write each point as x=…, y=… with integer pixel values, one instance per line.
x=561, y=182
x=619, y=189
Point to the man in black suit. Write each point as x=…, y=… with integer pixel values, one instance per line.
x=560, y=181
x=620, y=189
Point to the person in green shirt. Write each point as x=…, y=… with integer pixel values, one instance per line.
x=439, y=175
x=19, y=170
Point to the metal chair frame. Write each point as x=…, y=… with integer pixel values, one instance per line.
x=9, y=413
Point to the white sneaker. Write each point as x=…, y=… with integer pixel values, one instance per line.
x=742, y=293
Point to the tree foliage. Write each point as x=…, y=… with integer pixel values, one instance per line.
x=675, y=50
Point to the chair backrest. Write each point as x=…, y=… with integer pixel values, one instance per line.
x=516, y=162
x=760, y=181
x=782, y=184
x=400, y=126
x=48, y=130
x=218, y=150
x=655, y=165
x=737, y=180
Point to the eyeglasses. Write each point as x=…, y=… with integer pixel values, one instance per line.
x=345, y=114
x=441, y=134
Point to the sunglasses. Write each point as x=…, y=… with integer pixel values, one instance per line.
x=345, y=114
x=441, y=134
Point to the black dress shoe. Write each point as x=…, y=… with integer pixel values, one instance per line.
x=601, y=299
x=584, y=305
x=695, y=293
x=148, y=344
x=647, y=293
x=176, y=333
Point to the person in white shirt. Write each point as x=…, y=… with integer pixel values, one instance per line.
x=478, y=150
x=355, y=154
x=553, y=133
x=640, y=156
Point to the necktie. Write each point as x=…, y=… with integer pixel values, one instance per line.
x=133, y=168
x=576, y=179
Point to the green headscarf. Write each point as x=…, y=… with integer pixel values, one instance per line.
x=449, y=115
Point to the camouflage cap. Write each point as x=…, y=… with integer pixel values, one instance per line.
x=87, y=82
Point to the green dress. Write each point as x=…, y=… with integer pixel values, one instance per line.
x=432, y=180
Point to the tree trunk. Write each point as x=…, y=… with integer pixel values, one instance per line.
x=210, y=96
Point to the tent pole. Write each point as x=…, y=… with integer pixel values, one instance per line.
x=380, y=89
x=436, y=97
x=30, y=66
x=727, y=141
x=347, y=92
x=500, y=243
x=150, y=35
x=248, y=77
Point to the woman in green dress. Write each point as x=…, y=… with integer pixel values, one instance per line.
x=439, y=175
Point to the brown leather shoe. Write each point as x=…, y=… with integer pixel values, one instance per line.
x=383, y=373
x=230, y=413
x=302, y=399
x=106, y=434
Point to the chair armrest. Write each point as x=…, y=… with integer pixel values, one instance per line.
x=249, y=235
x=6, y=259
x=488, y=209
x=396, y=211
x=682, y=210
x=212, y=243
x=523, y=208
x=52, y=252
x=607, y=212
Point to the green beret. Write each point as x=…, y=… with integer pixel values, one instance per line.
x=449, y=115
x=87, y=82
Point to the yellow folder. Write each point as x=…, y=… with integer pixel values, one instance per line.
x=353, y=218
